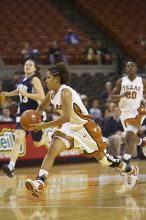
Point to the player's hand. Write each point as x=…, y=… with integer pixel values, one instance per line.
x=23, y=92
x=37, y=127
x=142, y=110
x=4, y=93
x=127, y=94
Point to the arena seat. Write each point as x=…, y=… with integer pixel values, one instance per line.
x=123, y=21
x=32, y=22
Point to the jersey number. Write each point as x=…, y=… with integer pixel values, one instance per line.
x=131, y=95
x=23, y=99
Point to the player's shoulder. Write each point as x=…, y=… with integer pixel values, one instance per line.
x=119, y=81
x=35, y=78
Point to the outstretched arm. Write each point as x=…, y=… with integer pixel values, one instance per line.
x=12, y=93
x=45, y=103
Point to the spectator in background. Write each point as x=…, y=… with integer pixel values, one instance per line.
x=35, y=55
x=90, y=53
x=141, y=40
x=94, y=111
x=102, y=54
x=113, y=130
x=26, y=52
x=85, y=101
x=14, y=82
x=55, y=55
x=109, y=109
x=29, y=53
x=105, y=95
x=71, y=37
x=5, y=115
x=11, y=104
x=11, y=85
x=107, y=58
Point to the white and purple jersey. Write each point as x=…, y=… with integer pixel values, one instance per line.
x=24, y=102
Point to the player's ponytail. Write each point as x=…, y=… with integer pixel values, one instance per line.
x=37, y=72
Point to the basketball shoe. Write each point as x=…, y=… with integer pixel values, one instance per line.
x=8, y=171
x=130, y=180
x=35, y=187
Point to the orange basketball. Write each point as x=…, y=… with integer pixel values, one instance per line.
x=29, y=117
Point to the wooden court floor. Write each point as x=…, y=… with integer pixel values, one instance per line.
x=84, y=191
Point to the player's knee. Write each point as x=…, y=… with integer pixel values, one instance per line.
x=110, y=160
x=37, y=144
x=18, y=140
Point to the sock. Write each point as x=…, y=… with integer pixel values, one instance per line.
x=43, y=172
x=127, y=156
x=42, y=175
x=140, y=142
x=11, y=165
x=127, y=168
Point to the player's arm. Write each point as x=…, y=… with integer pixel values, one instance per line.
x=66, y=97
x=144, y=91
x=39, y=91
x=144, y=88
x=116, y=96
x=12, y=93
x=45, y=103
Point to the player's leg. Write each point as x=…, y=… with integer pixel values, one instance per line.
x=40, y=139
x=105, y=159
x=126, y=169
x=132, y=140
x=19, y=139
x=57, y=146
x=131, y=127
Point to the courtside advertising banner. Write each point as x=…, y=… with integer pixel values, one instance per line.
x=27, y=150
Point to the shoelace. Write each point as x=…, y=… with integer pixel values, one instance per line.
x=129, y=179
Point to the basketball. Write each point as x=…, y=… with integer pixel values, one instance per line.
x=29, y=117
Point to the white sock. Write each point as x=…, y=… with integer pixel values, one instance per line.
x=140, y=142
x=43, y=172
x=11, y=165
x=127, y=156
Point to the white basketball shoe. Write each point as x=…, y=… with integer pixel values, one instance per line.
x=35, y=187
x=130, y=180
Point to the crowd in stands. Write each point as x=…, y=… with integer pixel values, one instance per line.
x=97, y=54
x=91, y=53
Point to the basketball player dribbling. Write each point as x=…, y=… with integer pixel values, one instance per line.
x=76, y=129
x=129, y=91
x=30, y=92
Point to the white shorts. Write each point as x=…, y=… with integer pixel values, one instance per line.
x=87, y=137
x=132, y=121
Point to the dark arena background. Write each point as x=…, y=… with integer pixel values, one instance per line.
x=95, y=39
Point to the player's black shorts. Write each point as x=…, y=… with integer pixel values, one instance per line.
x=36, y=135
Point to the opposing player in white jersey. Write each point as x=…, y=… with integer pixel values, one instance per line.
x=76, y=128
x=129, y=91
